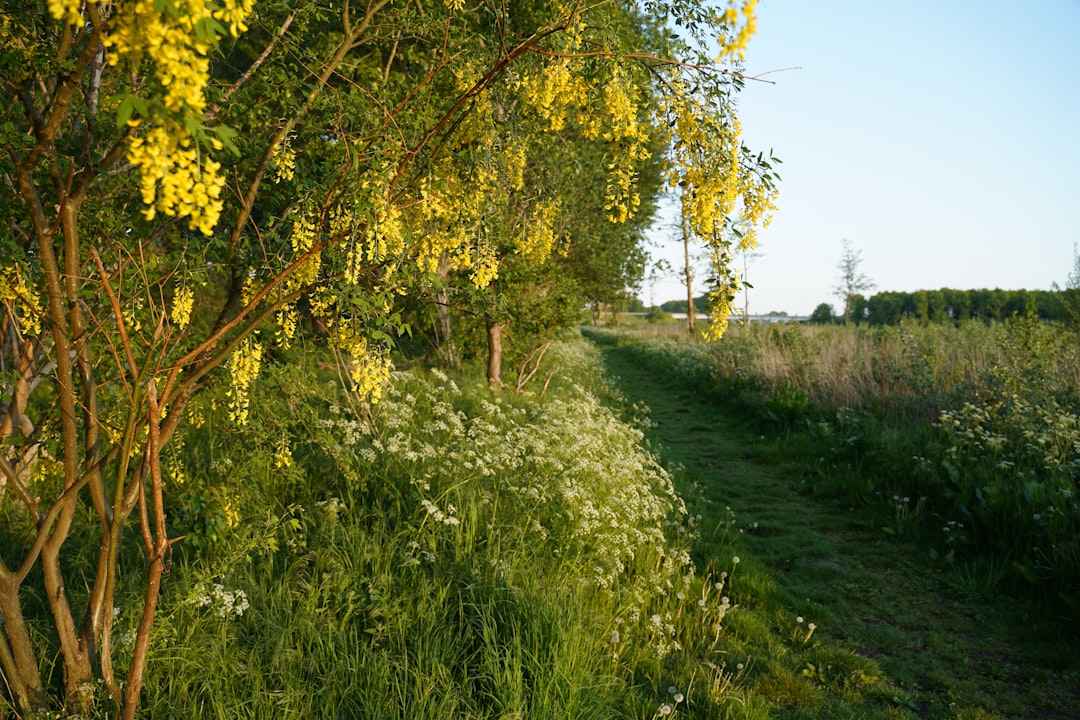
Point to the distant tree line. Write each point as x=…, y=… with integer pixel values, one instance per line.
x=701, y=305
x=948, y=305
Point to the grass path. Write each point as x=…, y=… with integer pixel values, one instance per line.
x=894, y=638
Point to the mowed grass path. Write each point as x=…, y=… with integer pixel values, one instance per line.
x=894, y=637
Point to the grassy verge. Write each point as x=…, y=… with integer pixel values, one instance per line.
x=895, y=634
x=440, y=554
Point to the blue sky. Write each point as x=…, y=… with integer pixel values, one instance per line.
x=941, y=138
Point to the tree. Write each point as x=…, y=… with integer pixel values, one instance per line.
x=1069, y=297
x=822, y=315
x=852, y=282
x=191, y=186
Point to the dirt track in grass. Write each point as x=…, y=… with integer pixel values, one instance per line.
x=894, y=638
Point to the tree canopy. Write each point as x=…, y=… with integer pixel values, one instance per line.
x=192, y=185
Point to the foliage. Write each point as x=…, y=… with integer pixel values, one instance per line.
x=453, y=553
x=965, y=436
x=822, y=315
x=193, y=188
x=952, y=306
x=852, y=282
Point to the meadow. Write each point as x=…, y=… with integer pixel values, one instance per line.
x=446, y=552
x=965, y=435
x=441, y=553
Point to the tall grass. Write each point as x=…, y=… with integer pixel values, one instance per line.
x=441, y=554
x=969, y=434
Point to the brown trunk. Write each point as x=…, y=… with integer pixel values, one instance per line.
x=17, y=658
x=442, y=308
x=494, y=371
x=157, y=544
x=689, y=281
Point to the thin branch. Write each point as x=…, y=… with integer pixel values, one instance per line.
x=659, y=60
x=216, y=107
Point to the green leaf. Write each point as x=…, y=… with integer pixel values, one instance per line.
x=227, y=136
x=209, y=29
x=130, y=105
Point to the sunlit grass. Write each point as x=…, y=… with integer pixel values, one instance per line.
x=967, y=437
x=446, y=554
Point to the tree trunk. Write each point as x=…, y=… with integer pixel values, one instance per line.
x=494, y=369
x=689, y=281
x=442, y=308
x=17, y=657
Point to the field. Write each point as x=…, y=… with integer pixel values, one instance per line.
x=779, y=536
x=968, y=435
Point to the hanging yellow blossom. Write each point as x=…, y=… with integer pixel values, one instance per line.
x=283, y=162
x=369, y=367
x=283, y=458
x=537, y=235
x=182, y=304
x=733, y=45
x=175, y=179
x=67, y=11
x=243, y=366
x=20, y=301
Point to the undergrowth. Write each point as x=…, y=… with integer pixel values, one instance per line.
x=964, y=438
x=444, y=553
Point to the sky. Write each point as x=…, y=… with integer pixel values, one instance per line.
x=941, y=138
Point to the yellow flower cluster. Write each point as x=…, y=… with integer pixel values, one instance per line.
x=67, y=11
x=720, y=188
x=243, y=366
x=537, y=236
x=628, y=136
x=174, y=180
x=230, y=511
x=287, y=320
x=454, y=215
x=131, y=315
x=182, y=304
x=303, y=237
x=721, y=302
x=733, y=46
x=20, y=301
x=552, y=91
x=485, y=267
x=283, y=458
x=384, y=236
x=514, y=156
x=283, y=162
x=369, y=367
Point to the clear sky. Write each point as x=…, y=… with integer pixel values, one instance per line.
x=941, y=138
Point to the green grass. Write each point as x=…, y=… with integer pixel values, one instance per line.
x=896, y=635
x=449, y=554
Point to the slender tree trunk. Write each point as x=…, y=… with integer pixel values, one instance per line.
x=689, y=280
x=442, y=308
x=17, y=657
x=494, y=369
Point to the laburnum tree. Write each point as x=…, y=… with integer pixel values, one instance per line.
x=190, y=184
